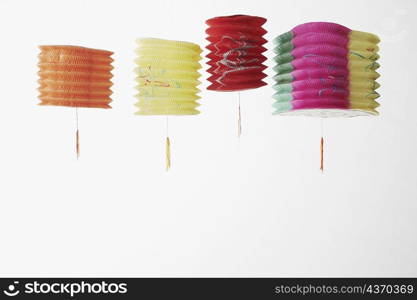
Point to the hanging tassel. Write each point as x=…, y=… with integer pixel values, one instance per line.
x=239, y=120
x=77, y=137
x=321, y=154
x=168, y=154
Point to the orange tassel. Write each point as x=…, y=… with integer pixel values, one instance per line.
x=77, y=136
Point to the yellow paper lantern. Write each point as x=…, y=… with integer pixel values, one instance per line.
x=167, y=77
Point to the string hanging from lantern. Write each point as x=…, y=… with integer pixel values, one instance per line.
x=322, y=145
x=168, y=150
x=167, y=77
x=236, y=59
x=326, y=70
x=75, y=76
x=77, y=135
x=239, y=125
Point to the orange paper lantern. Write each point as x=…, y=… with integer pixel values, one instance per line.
x=76, y=77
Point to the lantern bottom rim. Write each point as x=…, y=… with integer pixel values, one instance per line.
x=328, y=113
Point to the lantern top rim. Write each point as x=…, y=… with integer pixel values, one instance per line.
x=74, y=48
x=238, y=18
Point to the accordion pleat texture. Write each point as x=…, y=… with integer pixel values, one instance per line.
x=75, y=76
x=326, y=69
x=167, y=77
x=236, y=47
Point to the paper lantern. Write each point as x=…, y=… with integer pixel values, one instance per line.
x=326, y=70
x=167, y=77
x=75, y=77
x=236, y=59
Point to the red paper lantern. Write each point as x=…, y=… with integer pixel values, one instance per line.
x=236, y=52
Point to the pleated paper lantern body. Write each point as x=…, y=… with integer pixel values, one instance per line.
x=236, y=60
x=167, y=77
x=75, y=76
x=326, y=69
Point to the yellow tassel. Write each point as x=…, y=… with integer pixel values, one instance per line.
x=321, y=154
x=168, y=154
x=77, y=137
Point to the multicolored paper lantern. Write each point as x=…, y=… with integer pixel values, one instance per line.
x=326, y=70
x=236, y=59
x=75, y=76
x=167, y=77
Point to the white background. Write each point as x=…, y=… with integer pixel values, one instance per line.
x=257, y=206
